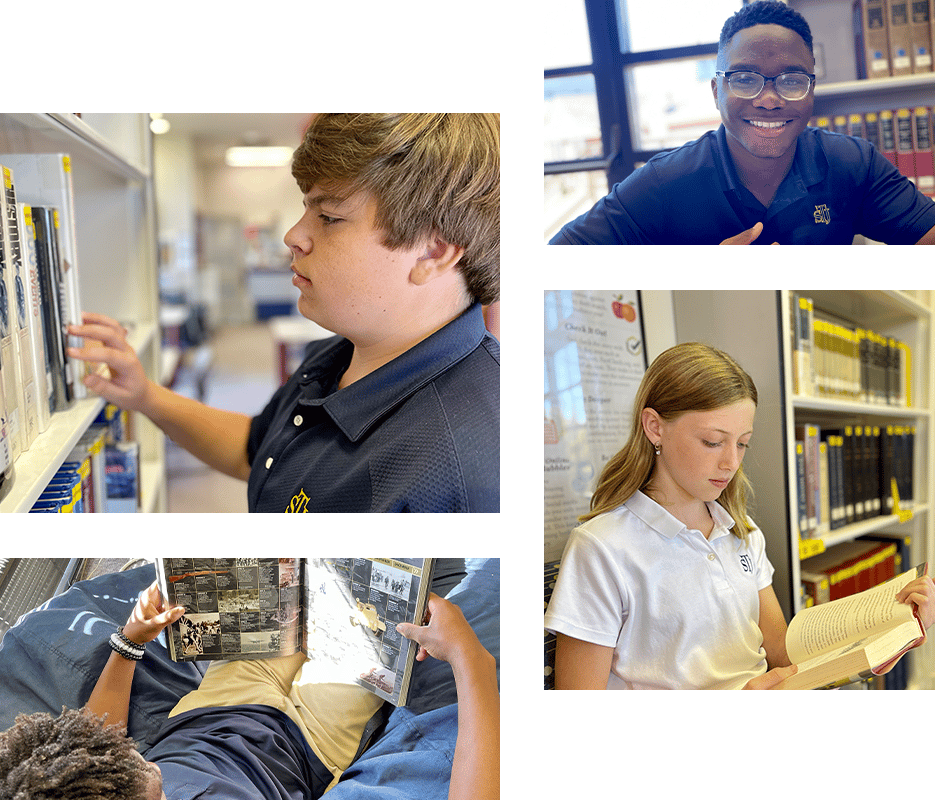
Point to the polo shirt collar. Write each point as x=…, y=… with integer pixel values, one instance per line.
x=358, y=406
x=661, y=521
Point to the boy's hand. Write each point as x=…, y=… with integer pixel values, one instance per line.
x=106, y=343
x=447, y=635
x=150, y=616
x=747, y=236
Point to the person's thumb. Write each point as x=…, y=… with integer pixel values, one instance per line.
x=747, y=236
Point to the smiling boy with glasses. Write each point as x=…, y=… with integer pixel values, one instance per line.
x=764, y=176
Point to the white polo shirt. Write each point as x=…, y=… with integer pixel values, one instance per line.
x=679, y=610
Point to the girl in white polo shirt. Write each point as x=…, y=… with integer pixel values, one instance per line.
x=666, y=584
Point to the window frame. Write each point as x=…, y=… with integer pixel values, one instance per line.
x=611, y=57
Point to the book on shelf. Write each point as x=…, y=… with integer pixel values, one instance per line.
x=46, y=179
x=38, y=356
x=871, y=40
x=848, y=568
x=922, y=149
x=852, y=480
x=898, y=37
x=341, y=612
x=853, y=638
x=921, y=35
x=842, y=362
x=904, y=135
x=52, y=287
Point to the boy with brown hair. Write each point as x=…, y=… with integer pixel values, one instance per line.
x=397, y=252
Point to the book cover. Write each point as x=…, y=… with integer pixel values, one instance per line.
x=920, y=35
x=341, y=612
x=22, y=322
x=11, y=309
x=899, y=37
x=888, y=135
x=46, y=179
x=922, y=150
x=871, y=39
x=52, y=288
x=905, y=158
x=41, y=368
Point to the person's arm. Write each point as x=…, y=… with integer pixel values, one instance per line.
x=580, y=664
x=475, y=770
x=110, y=697
x=773, y=626
x=216, y=437
x=929, y=237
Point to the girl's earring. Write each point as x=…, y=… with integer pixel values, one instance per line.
x=658, y=447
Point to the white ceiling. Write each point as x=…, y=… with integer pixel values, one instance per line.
x=213, y=133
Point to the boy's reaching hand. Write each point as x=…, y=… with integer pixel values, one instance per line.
x=150, y=616
x=106, y=343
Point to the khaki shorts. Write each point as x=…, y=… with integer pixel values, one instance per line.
x=331, y=716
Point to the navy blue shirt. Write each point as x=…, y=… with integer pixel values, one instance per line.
x=838, y=186
x=421, y=433
x=237, y=753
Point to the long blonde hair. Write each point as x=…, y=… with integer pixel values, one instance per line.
x=688, y=377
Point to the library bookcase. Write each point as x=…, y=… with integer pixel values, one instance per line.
x=755, y=328
x=111, y=162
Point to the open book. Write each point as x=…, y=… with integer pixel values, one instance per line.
x=853, y=638
x=340, y=612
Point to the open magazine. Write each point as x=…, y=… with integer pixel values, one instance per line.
x=853, y=638
x=340, y=612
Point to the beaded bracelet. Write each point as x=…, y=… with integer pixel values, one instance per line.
x=125, y=647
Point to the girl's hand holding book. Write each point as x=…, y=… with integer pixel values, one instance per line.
x=920, y=592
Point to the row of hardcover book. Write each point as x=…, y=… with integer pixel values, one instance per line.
x=853, y=567
x=840, y=362
x=894, y=37
x=845, y=475
x=904, y=135
x=101, y=474
x=39, y=297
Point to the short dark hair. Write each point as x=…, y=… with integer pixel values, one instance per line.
x=765, y=12
x=75, y=755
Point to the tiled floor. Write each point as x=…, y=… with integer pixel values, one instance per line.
x=243, y=377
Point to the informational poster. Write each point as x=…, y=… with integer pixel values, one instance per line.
x=594, y=362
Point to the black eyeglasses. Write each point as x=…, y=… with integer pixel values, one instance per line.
x=747, y=84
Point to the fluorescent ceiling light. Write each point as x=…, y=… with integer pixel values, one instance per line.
x=258, y=156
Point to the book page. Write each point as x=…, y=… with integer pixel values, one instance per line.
x=235, y=607
x=352, y=607
x=830, y=625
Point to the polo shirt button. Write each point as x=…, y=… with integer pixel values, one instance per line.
x=710, y=556
x=297, y=419
x=269, y=462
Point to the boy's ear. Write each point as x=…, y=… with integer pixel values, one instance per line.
x=439, y=258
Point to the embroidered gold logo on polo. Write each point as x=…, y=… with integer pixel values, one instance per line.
x=299, y=503
x=822, y=214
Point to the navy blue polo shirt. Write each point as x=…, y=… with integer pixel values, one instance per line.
x=421, y=433
x=237, y=753
x=838, y=186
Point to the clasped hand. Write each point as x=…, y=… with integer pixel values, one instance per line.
x=150, y=616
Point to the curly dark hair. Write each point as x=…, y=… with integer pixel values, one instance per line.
x=75, y=755
x=765, y=12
